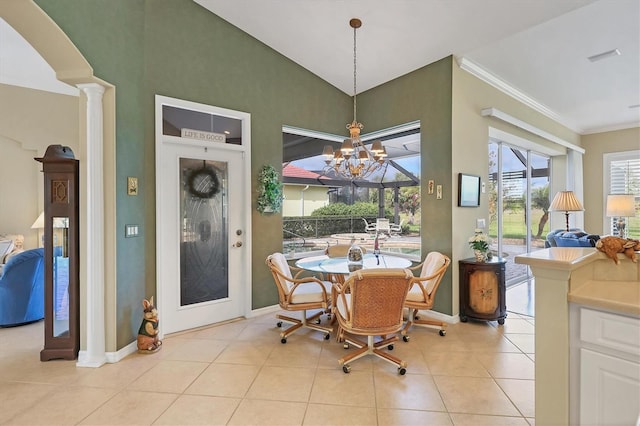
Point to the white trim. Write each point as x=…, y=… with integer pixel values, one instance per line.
x=95, y=355
x=496, y=113
x=364, y=137
x=484, y=75
x=391, y=131
x=612, y=128
x=523, y=143
x=607, y=158
x=263, y=311
x=313, y=134
x=438, y=316
x=245, y=149
x=111, y=357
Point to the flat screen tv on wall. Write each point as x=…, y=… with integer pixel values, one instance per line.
x=468, y=190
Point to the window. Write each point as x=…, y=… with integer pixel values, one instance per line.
x=622, y=176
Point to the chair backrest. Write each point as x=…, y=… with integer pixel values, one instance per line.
x=382, y=224
x=376, y=299
x=281, y=272
x=434, y=266
x=340, y=250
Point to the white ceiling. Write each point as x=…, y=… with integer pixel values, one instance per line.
x=538, y=48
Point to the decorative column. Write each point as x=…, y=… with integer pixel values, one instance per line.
x=94, y=320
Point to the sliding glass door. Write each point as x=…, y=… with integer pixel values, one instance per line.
x=518, y=204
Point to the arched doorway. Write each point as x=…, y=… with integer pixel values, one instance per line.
x=97, y=158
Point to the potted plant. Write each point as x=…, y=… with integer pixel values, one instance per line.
x=480, y=245
x=269, y=190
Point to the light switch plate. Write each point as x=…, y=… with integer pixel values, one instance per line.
x=131, y=231
x=480, y=223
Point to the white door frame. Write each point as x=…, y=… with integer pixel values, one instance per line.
x=245, y=148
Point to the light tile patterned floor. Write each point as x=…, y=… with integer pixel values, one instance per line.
x=240, y=374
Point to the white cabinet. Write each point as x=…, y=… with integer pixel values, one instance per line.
x=608, y=352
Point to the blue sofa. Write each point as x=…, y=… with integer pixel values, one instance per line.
x=22, y=289
x=573, y=238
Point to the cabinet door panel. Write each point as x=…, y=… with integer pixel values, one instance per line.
x=483, y=292
x=609, y=389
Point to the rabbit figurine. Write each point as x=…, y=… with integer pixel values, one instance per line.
x=148, y=341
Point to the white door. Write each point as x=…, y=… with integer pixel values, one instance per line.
x=202, y=254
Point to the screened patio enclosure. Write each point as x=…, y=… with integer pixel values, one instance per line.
x=304, y=167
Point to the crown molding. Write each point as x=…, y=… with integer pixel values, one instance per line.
x=496, y=113
x=613, y=128
x=484, y=75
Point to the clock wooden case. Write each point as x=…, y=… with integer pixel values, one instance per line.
x=61, y=250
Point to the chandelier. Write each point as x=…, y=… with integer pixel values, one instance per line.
x=354, y=160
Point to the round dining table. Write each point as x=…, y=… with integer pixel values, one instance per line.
x=340, y=265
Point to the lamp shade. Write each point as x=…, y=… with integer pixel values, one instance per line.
x=621, y=205
x=565, y=201
x=39, y=223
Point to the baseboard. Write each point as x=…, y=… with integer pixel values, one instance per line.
x=262, y=311
x=109, y=357
x=438, y=316
x=113, y=357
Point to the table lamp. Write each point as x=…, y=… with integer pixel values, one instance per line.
x=621, y=206
x=566, y=201
x=39, y=223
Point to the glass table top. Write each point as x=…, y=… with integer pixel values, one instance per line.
x=340, y=265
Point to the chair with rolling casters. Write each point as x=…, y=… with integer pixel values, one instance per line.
x=370, y=303
x=423, y=292
x=299, y=294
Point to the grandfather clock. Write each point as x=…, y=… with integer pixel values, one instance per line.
x=61, y=254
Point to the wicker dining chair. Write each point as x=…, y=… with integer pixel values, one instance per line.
x=423, y=292
x=299, y=294
x=370, y=303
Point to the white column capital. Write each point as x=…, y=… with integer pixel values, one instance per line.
x=91, y=88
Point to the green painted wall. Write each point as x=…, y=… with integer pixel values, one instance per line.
x=110, y=35
x=425, y=95
x=176, y=48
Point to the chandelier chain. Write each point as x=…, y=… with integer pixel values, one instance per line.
x=354, y=160
x=355, y=120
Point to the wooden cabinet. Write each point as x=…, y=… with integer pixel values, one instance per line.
x=482, y=290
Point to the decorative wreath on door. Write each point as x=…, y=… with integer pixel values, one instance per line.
x=203, y=182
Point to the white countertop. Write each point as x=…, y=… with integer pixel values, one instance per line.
x=618, y=296
x=564, y=258
x=602, y=287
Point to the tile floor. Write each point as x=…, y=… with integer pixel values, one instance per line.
x=240, y=374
